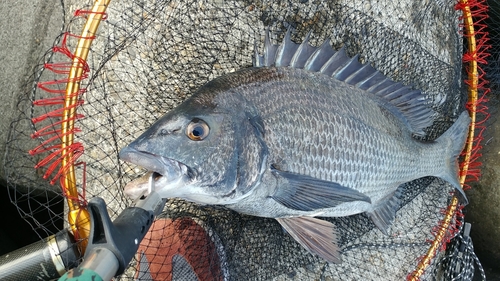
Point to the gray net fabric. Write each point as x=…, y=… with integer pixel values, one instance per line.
x=492, y=68
x=149, y=56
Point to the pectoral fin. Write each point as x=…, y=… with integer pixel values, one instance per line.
x=306, y=193
x=383, y=215
x=317, y=236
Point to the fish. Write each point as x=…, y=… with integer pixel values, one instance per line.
x=306, y=132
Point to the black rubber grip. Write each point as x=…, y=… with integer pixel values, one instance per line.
x=122, y=236
x=44, y=260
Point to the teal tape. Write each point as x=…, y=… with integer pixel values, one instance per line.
x=80, y=274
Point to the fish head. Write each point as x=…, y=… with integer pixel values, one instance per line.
x=195, y=150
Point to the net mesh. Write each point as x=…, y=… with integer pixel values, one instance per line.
x=149, y=56
x=493, y=28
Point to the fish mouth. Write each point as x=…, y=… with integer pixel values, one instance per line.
x=167, y=173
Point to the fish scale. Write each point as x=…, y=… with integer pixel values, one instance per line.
x=297, y=119
x=307, y=132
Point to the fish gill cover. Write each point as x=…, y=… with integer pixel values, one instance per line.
x=148, y=56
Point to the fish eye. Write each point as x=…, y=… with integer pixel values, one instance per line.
x=197, y=130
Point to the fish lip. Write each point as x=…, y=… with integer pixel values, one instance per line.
x=164, y=166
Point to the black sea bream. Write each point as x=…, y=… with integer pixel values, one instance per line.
x=306, y=132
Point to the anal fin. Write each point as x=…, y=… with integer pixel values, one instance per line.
x=383, y=215
x=317, y=236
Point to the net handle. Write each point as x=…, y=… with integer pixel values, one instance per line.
x=78, y=215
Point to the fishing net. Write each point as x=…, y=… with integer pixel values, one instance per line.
x=146, y=57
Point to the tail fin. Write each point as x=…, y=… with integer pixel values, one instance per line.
x=456, y=136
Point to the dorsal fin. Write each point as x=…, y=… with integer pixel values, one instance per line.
x=410, y=103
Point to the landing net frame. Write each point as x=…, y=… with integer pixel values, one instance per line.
x=63, y=160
